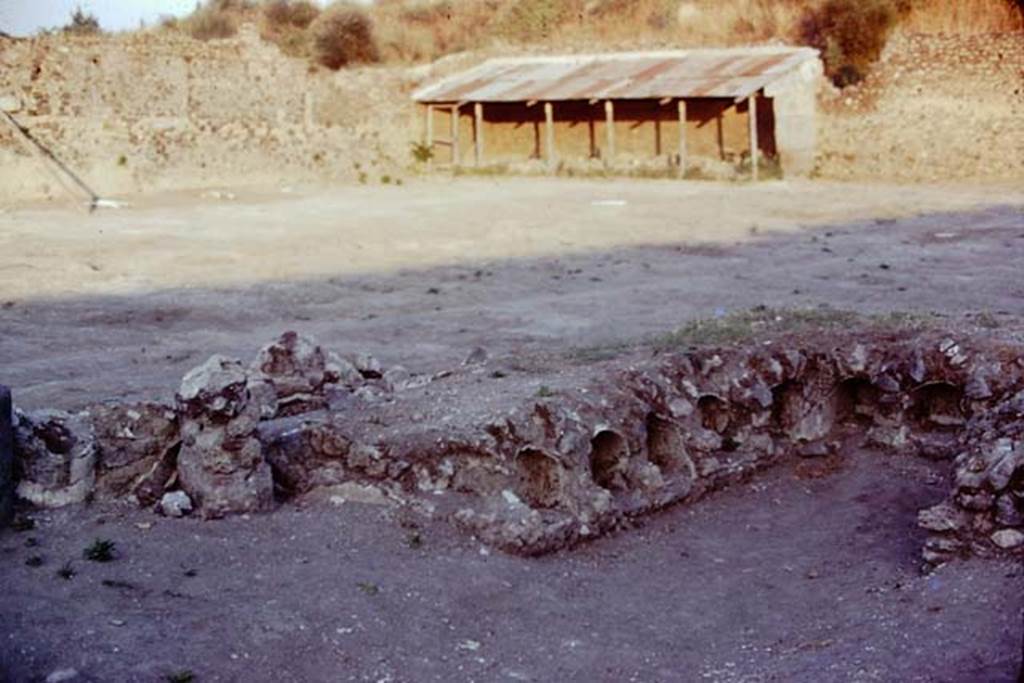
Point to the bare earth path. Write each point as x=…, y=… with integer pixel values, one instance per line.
x=122, y=303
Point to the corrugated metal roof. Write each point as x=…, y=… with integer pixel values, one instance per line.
x=732, y=73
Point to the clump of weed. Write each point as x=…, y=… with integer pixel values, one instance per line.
x=544, y=391
x=414, y=540
x=183, y=676
x=343, y=35
x=82, y=23
x=421, y=152
x=23, y=523
x=851, y=34
x=34, y=561
x=66, y=571
x=368, y=587
x=101, y=550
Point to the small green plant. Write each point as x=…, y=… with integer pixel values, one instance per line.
x=66, y=571
x=363, y=178
x=34, y=561
x=101, y=550
x=544, y=391
x=421, y=152
x=183, y=676
x=122, y=160
x=368, y=587
x=385, y=180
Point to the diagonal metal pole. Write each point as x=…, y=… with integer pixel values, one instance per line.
x=46, y=155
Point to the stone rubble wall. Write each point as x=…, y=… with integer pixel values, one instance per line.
x=149, y=111
x=538, y=473
x=935, y=108
x=142, y=112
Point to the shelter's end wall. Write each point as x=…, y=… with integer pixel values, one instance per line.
x=795, y=101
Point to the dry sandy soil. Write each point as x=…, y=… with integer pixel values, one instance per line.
x=122, y=303
x=805, y=574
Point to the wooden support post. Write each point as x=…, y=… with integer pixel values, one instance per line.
x=549, y=133
x=455, y=135
x=682, y=138
x=609, y=130
x=754, y=152
x=430, y=133
x=478, y=133
x=6, y=458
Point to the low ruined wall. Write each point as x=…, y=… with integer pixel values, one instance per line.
x=530, y=471
x=147, y=111
x=935, y=108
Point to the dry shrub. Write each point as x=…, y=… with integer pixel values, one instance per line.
x=286, y=24
x=343, y=35
x=216, y=19
x=286, y=14
x=851, y=34
x=537, y=20
x=964, y=16
x=82, y=24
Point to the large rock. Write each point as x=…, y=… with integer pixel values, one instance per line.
x=6, y=457
x=137, y=448
x=55, y=456
x=221, y=465
x=301, y=372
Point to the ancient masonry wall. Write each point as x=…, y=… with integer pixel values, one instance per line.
x=532, y=473
x=937, y=108
x=159, y=111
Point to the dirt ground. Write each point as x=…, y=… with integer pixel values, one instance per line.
x=121, y=303
x=803, y=574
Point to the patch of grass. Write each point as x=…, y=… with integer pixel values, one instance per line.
x=66, y=571
x=743, y=326
x=368, y=587
x=183, y=676
x=544, y=391
x=34, y=561
x=343, y=35
x=101, y=550
x=537, y=20
x=414, y=540
x=117, y=583
x=597, y=353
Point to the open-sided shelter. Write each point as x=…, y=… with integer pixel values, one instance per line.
x=744, y=103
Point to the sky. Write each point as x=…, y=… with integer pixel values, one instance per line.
x=24, y=17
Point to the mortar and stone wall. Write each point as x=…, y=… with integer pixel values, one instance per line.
x=935, y=108
x=532, y=473
x=131, y=112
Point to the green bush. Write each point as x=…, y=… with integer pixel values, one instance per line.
x=343, y=35
x=851, y=34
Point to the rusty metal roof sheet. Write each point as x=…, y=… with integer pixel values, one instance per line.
x=732, y=73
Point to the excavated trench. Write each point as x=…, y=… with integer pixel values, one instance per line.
x=532, y=471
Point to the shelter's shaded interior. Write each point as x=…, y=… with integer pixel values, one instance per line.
x=644, y=129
